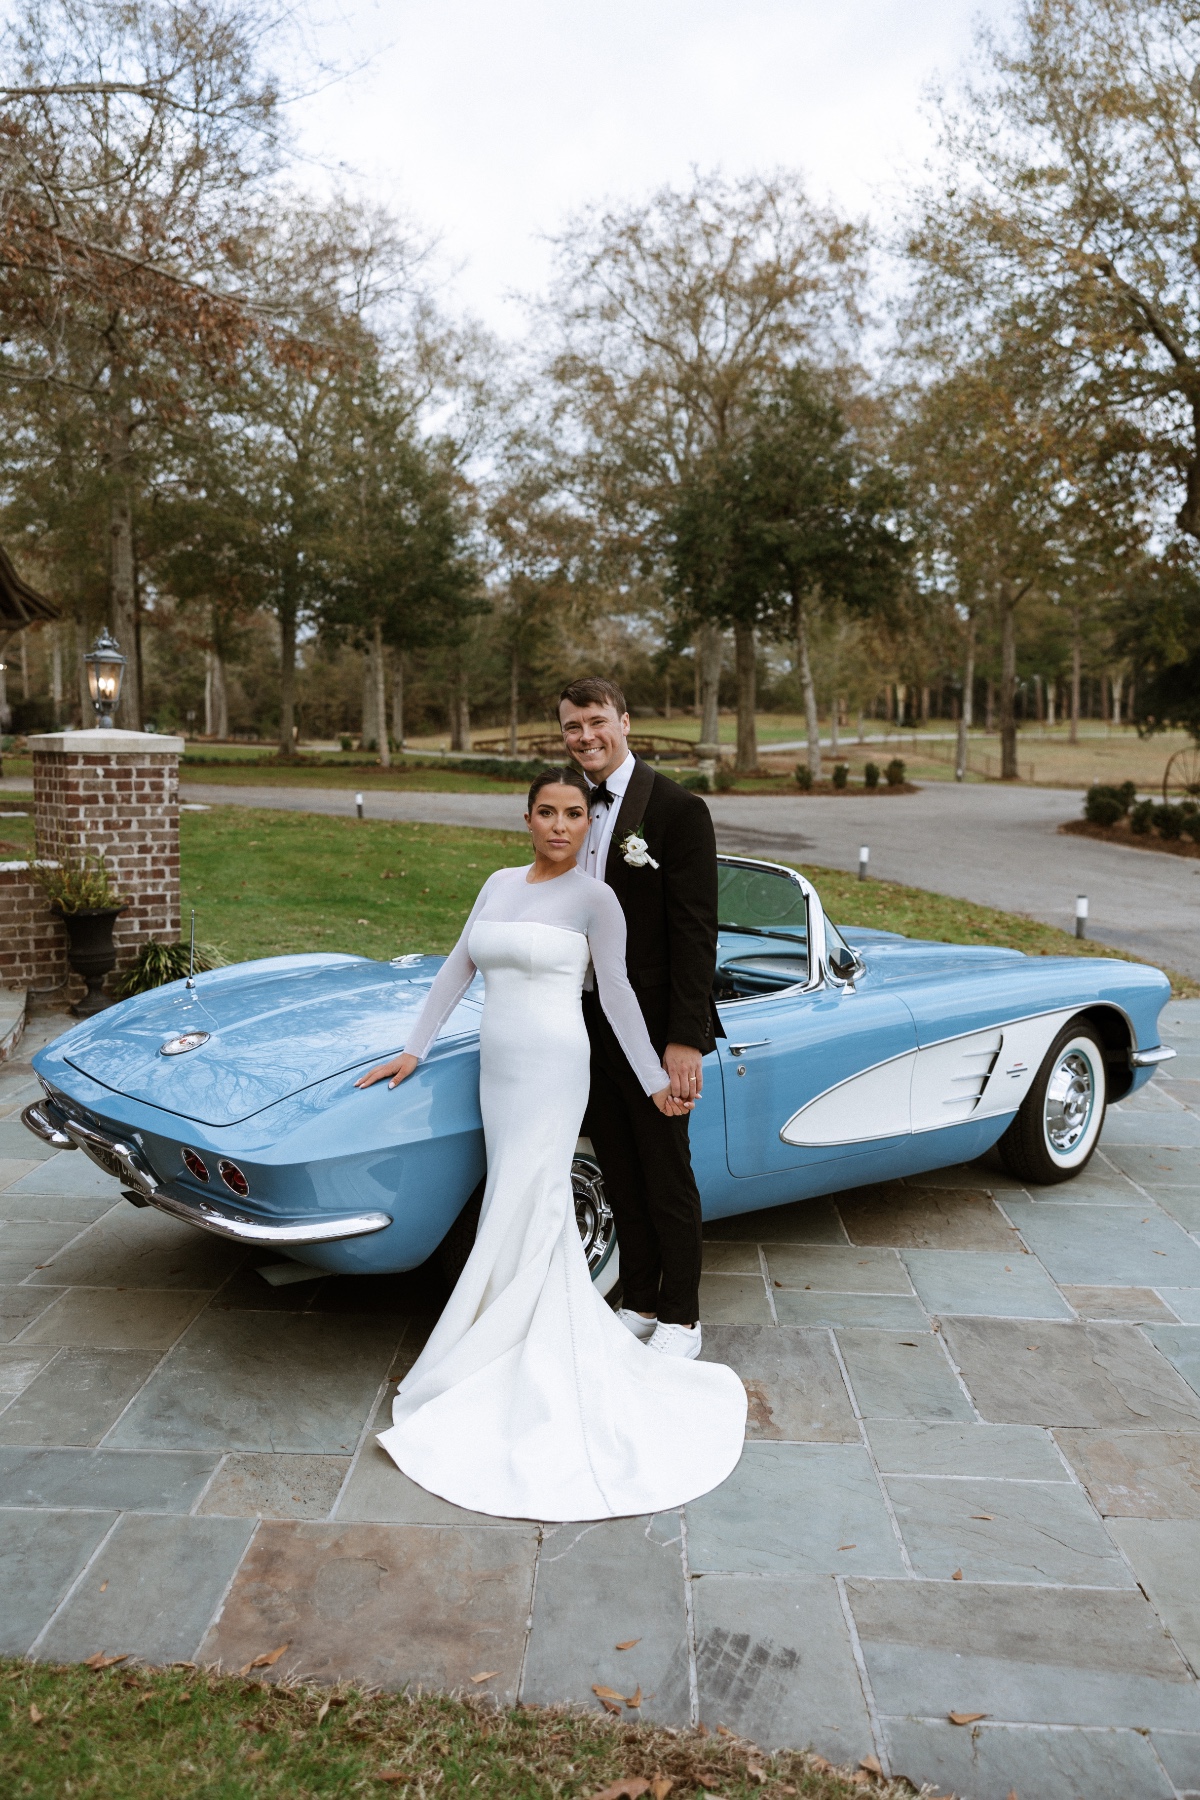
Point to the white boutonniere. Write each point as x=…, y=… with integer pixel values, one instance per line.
x=636, y=851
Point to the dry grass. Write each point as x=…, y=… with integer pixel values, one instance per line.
x=131, y=1733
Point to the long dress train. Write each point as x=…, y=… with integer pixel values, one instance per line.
x=531, y=1399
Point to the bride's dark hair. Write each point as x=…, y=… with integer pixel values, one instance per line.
x=557, y=778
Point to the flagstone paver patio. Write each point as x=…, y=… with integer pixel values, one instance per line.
x=971, y=1482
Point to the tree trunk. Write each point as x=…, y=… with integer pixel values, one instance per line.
x=964, y=718
x=1117, y=684
x=811, y=721
x=835, y=748
x=56, y=672
x=122, y=599
x=667, y=694
x=5, y=714
x=746, y=652
x=989, y=723
x=398, y=700
x=514, y=695
x=1008, y=684
x=709, y=649
x=370, y=724
x=460, y=712
x=1076, y=674
x=287, y=678
x=379, y=669
x=1051, y=701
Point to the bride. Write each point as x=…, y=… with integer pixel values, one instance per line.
x=531, y=1399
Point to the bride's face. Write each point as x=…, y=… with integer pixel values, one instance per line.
x=558, y=823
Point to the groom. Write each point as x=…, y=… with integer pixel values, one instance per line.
x=668, y=893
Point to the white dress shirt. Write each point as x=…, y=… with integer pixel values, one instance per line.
x=593, y=858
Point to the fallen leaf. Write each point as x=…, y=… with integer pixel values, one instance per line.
x=779, y=1284
x=323, y=1709
x=957, y=1575
x=965, y=1718
x=610, y=1706
x=756, y=1772
x=267, y=1660
x=983, y=1515
x=629, y=1643
x=871, y=1764
x=634, y=1700
x=724, y=1731
x=908, y=1344
x=820, y=1762
x=35, y=1717
x=660, y=1787
x=100, y=1661
x=104, y=1587
x=254, y=1755
x=183, y=1665
x=789, y=1790
x=485, y=1675
x=702, y=1729
x=629, y=1789
x=847, y=1546
x=391, y=1775
x=1012, y=1794
x=607, y=1693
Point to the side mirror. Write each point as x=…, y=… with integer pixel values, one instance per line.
x=844, y=965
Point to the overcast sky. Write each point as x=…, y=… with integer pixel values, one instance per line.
x=489, y=121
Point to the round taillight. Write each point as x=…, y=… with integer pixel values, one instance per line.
x=195, y=1165
x=233, y=1178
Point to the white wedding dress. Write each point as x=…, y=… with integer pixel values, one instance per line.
x=531, y=1399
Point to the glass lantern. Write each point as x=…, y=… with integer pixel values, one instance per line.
x=105, y=669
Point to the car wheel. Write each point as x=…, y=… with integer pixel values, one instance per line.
x=593, y=1216
x=1055, y=1132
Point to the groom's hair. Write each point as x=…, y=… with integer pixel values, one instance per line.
x=594, y=690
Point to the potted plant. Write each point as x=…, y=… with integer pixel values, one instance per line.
x=86, y=901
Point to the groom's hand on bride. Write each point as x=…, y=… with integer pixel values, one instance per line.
x=685, y=1066
x=398, y=1070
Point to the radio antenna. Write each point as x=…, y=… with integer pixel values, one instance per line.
x=191, y=974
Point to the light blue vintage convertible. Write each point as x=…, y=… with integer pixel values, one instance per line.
x=849, y=1057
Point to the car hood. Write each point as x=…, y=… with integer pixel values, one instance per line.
x=274, y=1028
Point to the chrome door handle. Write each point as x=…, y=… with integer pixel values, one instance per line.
x=752, y=1044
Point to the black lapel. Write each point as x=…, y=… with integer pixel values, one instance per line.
x=633, y=811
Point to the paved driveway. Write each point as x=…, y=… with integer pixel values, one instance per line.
x=998, y=845
x=971, y=1486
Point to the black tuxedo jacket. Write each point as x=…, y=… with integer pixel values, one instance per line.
x=670, y=912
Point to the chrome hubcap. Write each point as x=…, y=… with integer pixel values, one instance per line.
x=1070, y=1098
x=593, y=1215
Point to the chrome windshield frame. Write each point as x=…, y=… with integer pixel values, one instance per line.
x=819, y=974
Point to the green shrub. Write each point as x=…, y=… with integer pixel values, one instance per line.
x=157, y=964
x=78, y=887
x=695, y=780
x=871, y=774
x=725, y=778
x=1103, y=805
x=1168, y=820
x=1141, y=817
x=1106, y=804
x=804, y=778
x=894, y=773
x=1191, y=824
x=841, y=774
x=346, y=741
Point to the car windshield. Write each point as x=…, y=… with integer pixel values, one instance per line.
x=764, y=901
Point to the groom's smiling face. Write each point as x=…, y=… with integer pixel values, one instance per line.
x=596, y=737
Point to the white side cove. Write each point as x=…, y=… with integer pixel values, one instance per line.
x=981, y=1075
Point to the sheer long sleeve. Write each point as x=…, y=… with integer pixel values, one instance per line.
x=449, y=985
x=606, y=939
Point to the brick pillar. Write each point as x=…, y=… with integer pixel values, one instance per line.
x=115, y=794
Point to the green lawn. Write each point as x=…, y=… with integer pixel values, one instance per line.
x=129, y=1733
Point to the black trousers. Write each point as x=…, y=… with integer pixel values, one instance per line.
x=646, y=1161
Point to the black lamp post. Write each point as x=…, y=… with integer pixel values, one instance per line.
x=105, y=669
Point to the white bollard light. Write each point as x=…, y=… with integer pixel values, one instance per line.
x=358, y=805
x=864, y=857
x=1081, y=915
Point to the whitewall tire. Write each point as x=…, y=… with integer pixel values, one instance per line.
x=1055, y=1132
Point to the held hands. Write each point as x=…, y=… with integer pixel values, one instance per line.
x=668, y=1106
x=400, y=1068
x=685, y=1066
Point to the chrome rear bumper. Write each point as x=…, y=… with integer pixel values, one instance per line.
x=125, y=1162
x=1146, y=1059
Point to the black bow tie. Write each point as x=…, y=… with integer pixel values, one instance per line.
x=600, y=795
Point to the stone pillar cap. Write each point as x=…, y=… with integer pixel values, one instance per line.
x=98, y=740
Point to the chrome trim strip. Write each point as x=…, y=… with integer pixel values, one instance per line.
x=99, y=1146
x=34, y=1119
x=1146, y=1059
x=257, y=1231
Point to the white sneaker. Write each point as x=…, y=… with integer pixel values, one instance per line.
x=642, y=1329
x=677, y=1340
